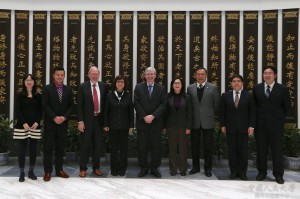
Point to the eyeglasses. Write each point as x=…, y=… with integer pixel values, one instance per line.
x=28, y=80
x=177, y=83
x=268, y=73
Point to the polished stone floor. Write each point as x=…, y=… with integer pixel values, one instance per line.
x=130, y=186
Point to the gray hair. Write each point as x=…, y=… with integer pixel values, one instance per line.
x=150, y=69
x=93, y=67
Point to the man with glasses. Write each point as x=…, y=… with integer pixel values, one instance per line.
x=272, y=105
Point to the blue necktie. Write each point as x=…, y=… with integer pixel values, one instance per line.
x=150, y=90
x=268, y=91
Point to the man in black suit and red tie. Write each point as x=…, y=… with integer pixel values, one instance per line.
x=150, y=103
x=90, y=103
x=237, y=121
x=57, y=103
x=272, y=105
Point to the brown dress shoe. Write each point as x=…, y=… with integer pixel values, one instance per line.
x=47, y=177
x=82, y=173
x=62, y=174
x=97, y=172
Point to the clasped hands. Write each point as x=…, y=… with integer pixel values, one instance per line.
x=148, y=119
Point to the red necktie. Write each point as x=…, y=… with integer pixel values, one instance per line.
x=96, y=101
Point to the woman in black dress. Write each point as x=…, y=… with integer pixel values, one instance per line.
x=118, y=120
x=28, y=107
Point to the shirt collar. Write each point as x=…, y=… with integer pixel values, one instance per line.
x=93, y=83
x=271, y=85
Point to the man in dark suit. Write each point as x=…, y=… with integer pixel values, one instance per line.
x=57, y=102
x=150, y=104
x=237, y=121
x=272, y=105
x=205, y=101
x=90, y=103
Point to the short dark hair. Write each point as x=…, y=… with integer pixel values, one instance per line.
x=119, y=77
x=274, y=69
x=24, y=90
x=182, y=91
x=201, y=68
x=237, y=76
x=58, y=69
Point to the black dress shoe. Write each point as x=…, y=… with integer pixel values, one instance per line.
x=182, y=173
x=232, y=176
x=22, y=177
x=260, y=177
x=155, y=173
x=114, y=173
x=279, y=180
x=31, y=175
x=173, y=173
x=122, y=173
x=208, y=173
x=243, y=177
x=193, y=171
x=143, y=173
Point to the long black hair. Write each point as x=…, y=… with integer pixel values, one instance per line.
x=182, y=91
x=24, y=89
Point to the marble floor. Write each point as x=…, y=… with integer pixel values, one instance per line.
x=129, y=186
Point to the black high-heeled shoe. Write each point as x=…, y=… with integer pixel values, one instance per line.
x=31, y=175
x=22, y=177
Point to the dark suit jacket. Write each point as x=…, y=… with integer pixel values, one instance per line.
x=85, y=103
x=271, y=111
x=118, y=115
x=146, y=106
x=237, y=120
x=51, y=105
x=181, y=118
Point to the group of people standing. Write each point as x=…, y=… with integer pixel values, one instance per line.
x=177, y=113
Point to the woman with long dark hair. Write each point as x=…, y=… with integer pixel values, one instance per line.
x=178, y=125
x=28, y=108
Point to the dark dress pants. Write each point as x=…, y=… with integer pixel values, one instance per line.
x=177, y=143
x=149, y=141
x=274, y=139
x=119, y=150
x=54, y=138
x=91, y=137
x=207, y=136
x=237, y=152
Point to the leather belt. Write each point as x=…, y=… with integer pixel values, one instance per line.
x=96, y=114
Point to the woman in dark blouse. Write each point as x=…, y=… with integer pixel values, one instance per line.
x=118, y=120
x=28, y=108
x=178, y=125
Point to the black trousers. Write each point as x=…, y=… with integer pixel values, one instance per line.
x=274, y=139
x=149, y=142
x=23, y=149
x=237, y=152
x=177, y=140
x=91, y=138
x=207, y=135
x=54, y=138
x=119, y=150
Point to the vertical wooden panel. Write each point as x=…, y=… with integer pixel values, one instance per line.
x=39, y=48
x=56, y=40
x=232, y=46
x=143, y=43
x=74, y=53
x=91, y=41
x=290, y=28
x=126, y=47
x=108, y=47
x=178, y=44
x=196, y=43
x=270, y=35
x=161, y=47
x=214, y=47
x=5, y=47
x=21, y=48
x=250, y=49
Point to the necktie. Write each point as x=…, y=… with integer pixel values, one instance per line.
x=236, y=99
x=150, y=90
x=95, y=98
x=268, y=91
x=59, y=92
